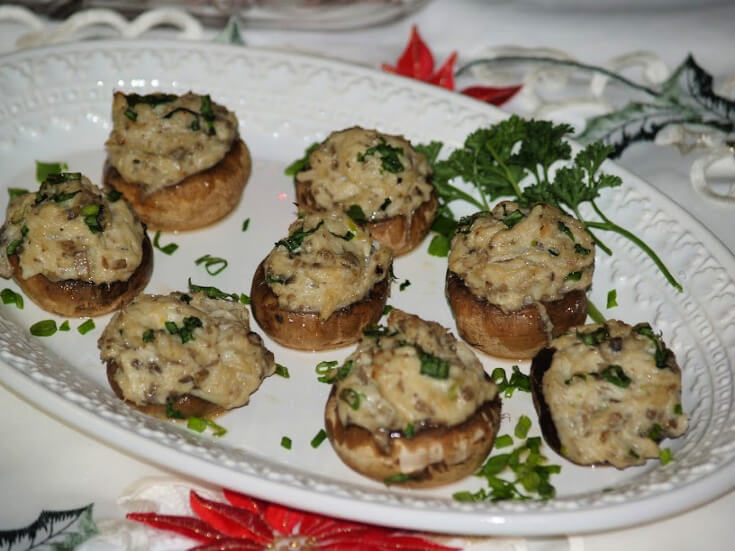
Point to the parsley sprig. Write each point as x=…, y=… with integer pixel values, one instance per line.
x=498, y=160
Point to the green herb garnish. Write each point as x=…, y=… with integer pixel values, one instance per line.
x=286, y=442
x=318, y=438
x=246, y=224
x=329, y=372
x=300, y=164
x=517, y=381
x=186, y=331
x=387, y=309
x=348, y=235
x=665, y=456
x=439, y=246
x=86, y=327
x=614, y=374
x=207, y=111
x=282, y=371
x=149, y=99
x=661, y=355
x=553, y=252
x=563, y=228
x=14, y=192
x=522, y=427
x=92, y=217
x=399, y=478
x=655, y=432
x=513, y=218
x=594, y=338
x=580, y=250
x=612, y=299
x=44, y=170
x=389, y=160
x=9, y=296
x=131, y=114
x=213, y=264
x=213, y=292
x=165, y=249
x=294, y=241
x=200, y=424
x=409, y=431
x=357, y=214
x=171, y=412
x=678, y=409
x=433, y=366
x=148, y=335
x=573, y=276
x=384, y=205
x=351, y=397
x=113, y=195
x=65, y=326
x=404, y=284
x=44, y=328
x=503, y=441
x=378, y=331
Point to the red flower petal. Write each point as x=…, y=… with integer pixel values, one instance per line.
x=230, y=520
x=444, y=77
x=496, y=96
x=245, y=502
x=186, y=526
x=230, y=545
x=416, y=60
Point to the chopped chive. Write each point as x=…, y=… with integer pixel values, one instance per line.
x=563, y=228
x=513, y=218
x=409, y=431
x=246, y=224
x=286, y=442
x=65, y=326
x=166, y=249
x=44, y=170
x=406, y=283
x=351, y=397
x=522, y=427
x=294, y=241
x=433, y=366
x=86, y=327
x=612, y=298
x=14, y=192
x=90, y=210
x=614, y=374
x=574, y=276
x=387, y=309
x=44, y=328
x=282, y=371
x=213, y=264
x=503, y=441
x=665, y=456
x=357, y=214
x=318, y=438
x=148, y=335
x=244, y=299
x=9, y=296
x=596, y=337
x=200, y=424
x=213, y=292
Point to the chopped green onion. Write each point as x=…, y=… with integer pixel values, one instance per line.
x=186, y=331
x=398, y=478
x=246, y=224
x=409, y=431
x=574, y=276
x=86, y=327
x=282, y=371
x=210, y=261
x=166, y=249
x=665, y=456
x=404, y=285
x=433, y=366
x=318, y=438
x=614, y=374
x=351, y=397
x=9, y=296
x=503, y=441
x=286, y=442
x=387, y=309
x=44, y=328
x=65, y=326
x=113, y=195
x=357, y=214
x=44, y=170
x=596, y=337
x=522, y=427
x=213, y=292
x=200, y=424
x=518, y=381
x=244, y=299
x=612, y=298
x=148, y=335
x=14, y=192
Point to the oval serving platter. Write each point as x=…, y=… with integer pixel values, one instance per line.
x=54, y=106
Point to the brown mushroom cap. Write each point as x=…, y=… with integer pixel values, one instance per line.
x=307, y=330
x=462, y=447
x=518, y=334
x=400, y=233
x=77, y=298
x=197, y=201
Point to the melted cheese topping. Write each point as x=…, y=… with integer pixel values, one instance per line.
x=599, y=421
x=336, y=264
x=344, y=172
x=390, y=391
x=59, y=244
x=224, y=362
x=169, y=141
x=544, y=256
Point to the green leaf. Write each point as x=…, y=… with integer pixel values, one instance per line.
x=430, y=151
x=439, y=246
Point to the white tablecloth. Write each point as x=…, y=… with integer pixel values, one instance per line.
x=47, y=465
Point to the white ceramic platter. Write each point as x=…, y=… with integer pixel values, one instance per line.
x=54, y=106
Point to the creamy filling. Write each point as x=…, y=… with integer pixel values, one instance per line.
x=380, y=173
x=513, y=257
x=410, y=375
x=159, y=139
x=326, y=262
x=162, y=353
x=71, y=230
x=612, y=395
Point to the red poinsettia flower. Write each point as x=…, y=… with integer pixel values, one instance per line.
x=417, y=62
x=247, y=524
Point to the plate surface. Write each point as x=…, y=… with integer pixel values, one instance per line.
x=54, y=106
